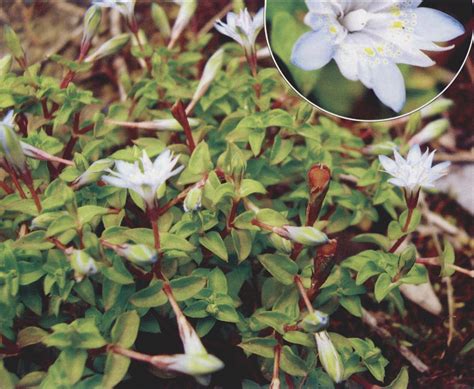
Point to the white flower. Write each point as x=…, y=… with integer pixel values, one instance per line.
x=185, y=13
x=367, y=39
x=416, y=171
x=242, y=28
x=125, y=7
x=145, y=179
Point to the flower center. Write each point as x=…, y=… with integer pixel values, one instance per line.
x=355, y=20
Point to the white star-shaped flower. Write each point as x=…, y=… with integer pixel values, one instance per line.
x=414, y=172
x=242, y=28
x=145, y=179
x=367, y=39
x=125, y=7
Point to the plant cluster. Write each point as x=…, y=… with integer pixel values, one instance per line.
x=205, y=198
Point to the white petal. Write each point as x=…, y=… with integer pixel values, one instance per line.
x=388, y=164
x=414, y=155
x=115, y=181
x=389, y=85
x=437, y=26
x=313, y=50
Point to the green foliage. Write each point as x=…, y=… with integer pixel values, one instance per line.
x=232, y=278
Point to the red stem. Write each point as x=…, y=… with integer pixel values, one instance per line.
x=179, y=113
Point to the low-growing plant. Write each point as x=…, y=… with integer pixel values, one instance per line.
x=204, y=201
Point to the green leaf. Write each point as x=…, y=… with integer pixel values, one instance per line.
x=242, y=240
x=214, y=243
x=280, y=266
x=259, y=346
x=274, y=319
x=217, y=281
x=249, y=187
x=151, y=296
x=125, y=330
x=383, y=286
x=292, y=363
x=186, y=287
x=378, y=239
x=400, y=381
x=30, y=335
x=301, y=338
x=33, y=241
x=116, y=367
x=60, y=225
x=352, y=305
x=89, y=212
x=118, y=272
x=227, y=313
x=447, y=258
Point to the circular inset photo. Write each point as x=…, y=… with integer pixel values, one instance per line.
x=369, y=60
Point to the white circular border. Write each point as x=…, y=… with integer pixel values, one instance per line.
x=267, y=38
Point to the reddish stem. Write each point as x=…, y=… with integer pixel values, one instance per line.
x=6, y=187
x=14, y=177
x=179, y=113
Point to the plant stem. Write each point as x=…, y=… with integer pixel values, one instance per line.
x=275, y=384
x=14, y=178
x=303, y=294
x=129, y=353
x=179, y=113
x=412, y=202
x=434, y=261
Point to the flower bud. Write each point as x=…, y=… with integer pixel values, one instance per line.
x=160, y=19
x=34, y=152
x=329, y=357
x=437, y=107
x=432, y=131
x=10, y=145
x=315, y=321
x=138, y=253
x=186, y=12
x=83, y=264
x=112, y=46
x=13, y=43
x=93, y=173
x=5, y=64
x=157, y=124
x=213, y=66
x=192, y=202
x=198, y=366
x=308, y=236
x=280, y=243
x=91, y=24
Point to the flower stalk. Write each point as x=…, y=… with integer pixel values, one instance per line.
x=179, y=113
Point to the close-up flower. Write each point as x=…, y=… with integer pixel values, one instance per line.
x=414, y=172
x=144, y=176
x=369, y=39
x=125, y=7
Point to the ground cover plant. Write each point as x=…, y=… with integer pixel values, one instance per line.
x=173, y=216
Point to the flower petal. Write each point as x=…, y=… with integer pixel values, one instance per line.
x=313, y=50
x=389, y=85
x=388, y=164
x=437, y=26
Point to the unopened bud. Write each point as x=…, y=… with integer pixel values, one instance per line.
x=308, y=236
x=315, y=321
x=233, y=161
x=186, y=12
x=138, y=253
x=93, y=173
x=198, y=366
x=432, y=131
x=13, y=43
x=34, y=152
x=5, y=64
x=91, y=24
x=329, y=357
x=83, y=264
x=213, y=66
x=157, y=124
x=112, y=46
x=437, y=107
x=161, y=21
x=280, y=243
x=10, y=145
x=192, y=202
